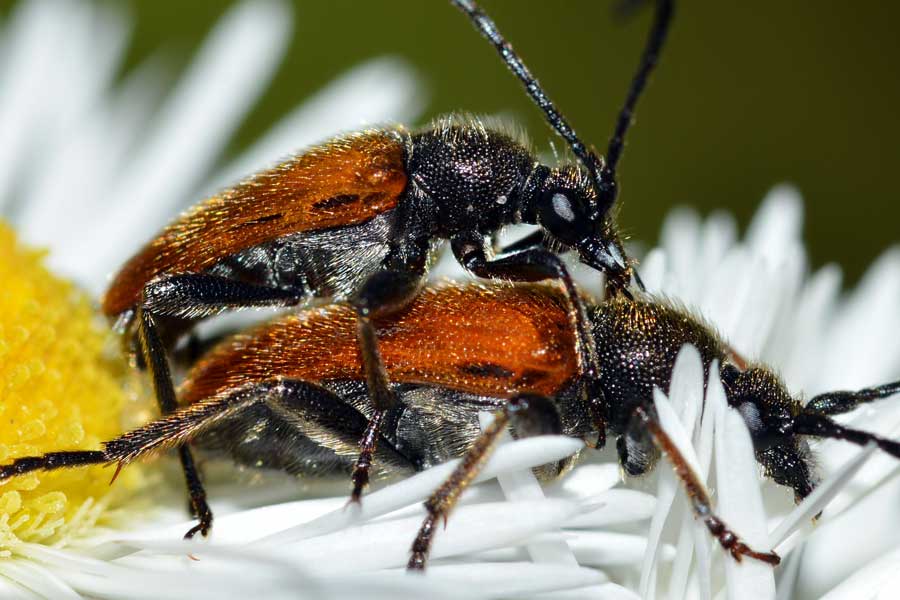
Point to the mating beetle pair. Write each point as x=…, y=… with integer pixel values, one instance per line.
x=354, y=221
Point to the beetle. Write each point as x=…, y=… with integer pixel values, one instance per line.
x=356, y=220
x=291, y=394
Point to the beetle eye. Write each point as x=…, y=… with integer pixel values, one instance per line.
x=562, y=206
x=563, y=214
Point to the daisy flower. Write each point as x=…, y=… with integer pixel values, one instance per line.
x=118, y=159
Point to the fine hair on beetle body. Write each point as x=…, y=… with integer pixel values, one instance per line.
x=355, y=220
x=291, y=394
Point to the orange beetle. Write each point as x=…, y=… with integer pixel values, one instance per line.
x=355, y=220
x=291, y=394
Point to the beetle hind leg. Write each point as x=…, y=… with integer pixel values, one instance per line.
x=155, y=358
x=51, y=461
x=166, y=432
x=192, y=296
x=531, y=414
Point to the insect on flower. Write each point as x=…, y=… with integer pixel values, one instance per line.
x=291, y=394
x=355, y=220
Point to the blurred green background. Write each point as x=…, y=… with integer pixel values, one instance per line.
x=748, y=94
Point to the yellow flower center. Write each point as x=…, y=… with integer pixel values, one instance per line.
x=61, y=388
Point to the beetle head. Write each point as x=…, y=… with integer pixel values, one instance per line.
x=568, y=209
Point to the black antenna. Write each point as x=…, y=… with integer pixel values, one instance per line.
x=602, y=174
x=487, y=27
x=813, y=420
x=821, y=426
x=657, y=37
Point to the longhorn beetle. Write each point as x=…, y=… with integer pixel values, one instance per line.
x=354, y=220
x=291, y=394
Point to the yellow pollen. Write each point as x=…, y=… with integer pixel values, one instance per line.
x=62, y=387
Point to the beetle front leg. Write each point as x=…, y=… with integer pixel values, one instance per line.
x=532, y=264
x=614, y=284
x=535, y=263
x=700, y=501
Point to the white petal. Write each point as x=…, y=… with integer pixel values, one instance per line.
x=787, y=578
x=617, y=506
x=860, y=536
x=37, y=579
x=718, y=234
x=591, y=548
x=653, y=271
x=36, y=33
x=687, y=395
x=587, y=481
x=687, y=391
x=605, y=591
x=684, y=553
x=878, y=577
x=12, y=591
x=604, y=549
x=776, y=224
x=679, y=240
x=64, y=208
x=820, y=497
x=740, y=502
x=666, y=489
x=470, y=529
x=385, y=544
x=862, y=340
x=230, y=71
x=380, y=91
x=518, y=455
x=801, y=351
x=495, y=579
x=522, y=485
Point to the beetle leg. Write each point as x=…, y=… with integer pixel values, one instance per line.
x=181, y=426
x=530, y=414
x=384, y=292
x=52, y=460
x=173, y=429
x=192, y=296
x=195, y=296
x=614, y=285
x=696, y=492
x=532, y=264
x=155, y=358
x=535, y=239
x=537, y=264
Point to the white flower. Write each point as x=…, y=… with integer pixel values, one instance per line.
x=91, y=169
